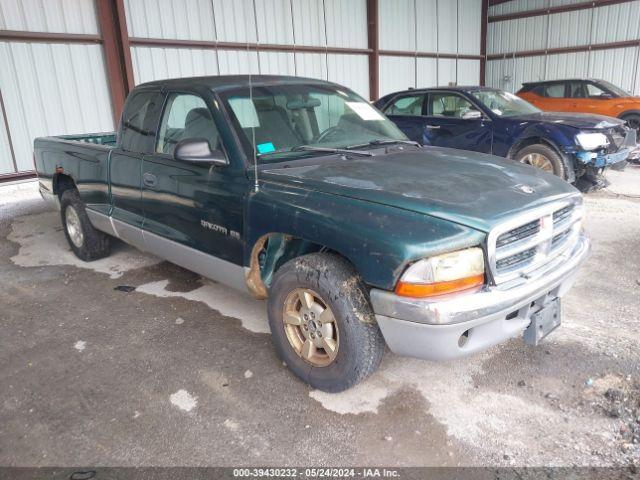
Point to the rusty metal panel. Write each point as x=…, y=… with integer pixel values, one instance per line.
x=52, y=89
x=61, y=16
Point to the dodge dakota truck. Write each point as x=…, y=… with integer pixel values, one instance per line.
x=302, y=193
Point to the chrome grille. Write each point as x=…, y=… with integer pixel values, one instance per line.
x=531, y=228
x=521, y=248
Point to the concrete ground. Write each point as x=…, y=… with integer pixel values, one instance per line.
x=181, y=371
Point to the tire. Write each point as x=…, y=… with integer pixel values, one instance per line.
x=334, y=283
x=633, y=120
x=86, y=242
x=534, y=154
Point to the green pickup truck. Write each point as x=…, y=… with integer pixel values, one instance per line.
x=300, y=192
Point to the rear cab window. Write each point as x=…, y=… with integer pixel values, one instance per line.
x=139, y=121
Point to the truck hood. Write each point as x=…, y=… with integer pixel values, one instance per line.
x=576, y=120
x=472, y=189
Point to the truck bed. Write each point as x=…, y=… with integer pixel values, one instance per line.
x=83, y=158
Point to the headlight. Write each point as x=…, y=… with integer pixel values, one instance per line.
x=591, y=141
x=447, y=273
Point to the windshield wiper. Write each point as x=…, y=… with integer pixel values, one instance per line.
x=310, y=148
x=344, y=151
x=375, y=143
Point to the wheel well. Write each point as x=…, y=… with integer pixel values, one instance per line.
x=61, y=183
x=270, y=252
x=527, y=142
x=629, y=113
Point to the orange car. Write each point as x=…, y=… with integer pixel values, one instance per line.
x=583, y=95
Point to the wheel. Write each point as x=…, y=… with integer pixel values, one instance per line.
x=322, y=323
x=633, y=120
x=542, y=157
x=85, y=241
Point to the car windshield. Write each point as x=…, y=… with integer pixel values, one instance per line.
x=504, y=104
x=283, y=122
x=617, y=91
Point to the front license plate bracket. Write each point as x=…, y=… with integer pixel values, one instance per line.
x=543, y=322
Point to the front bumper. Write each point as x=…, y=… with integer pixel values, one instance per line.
x=601, y=160
x=458, y=325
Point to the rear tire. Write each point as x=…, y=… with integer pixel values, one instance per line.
x=322, y=294
x=86, y=242
x=542, y=157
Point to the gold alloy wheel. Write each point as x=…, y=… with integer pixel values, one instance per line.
x=74, y=227
x=310, y=327
x=539, y=161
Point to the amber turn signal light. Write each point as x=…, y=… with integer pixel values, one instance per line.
x=421, y=290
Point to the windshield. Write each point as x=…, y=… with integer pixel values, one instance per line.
x=278, y=120
x=612, y=88
x=504, y=104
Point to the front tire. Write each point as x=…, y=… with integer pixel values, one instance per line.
x=542, y=157
x=633, y=120
x=86, y=242
x=322, y=322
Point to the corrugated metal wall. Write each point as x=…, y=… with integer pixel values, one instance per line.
x=49, y=88
x=318, y=23
x=435, y=26
x=591, y=26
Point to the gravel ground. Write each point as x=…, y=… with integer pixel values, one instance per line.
x=170, y=369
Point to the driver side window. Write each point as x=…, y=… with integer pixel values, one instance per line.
x=449, y=105
x=186, y=116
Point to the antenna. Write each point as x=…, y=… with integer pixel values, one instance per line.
x=256, y=186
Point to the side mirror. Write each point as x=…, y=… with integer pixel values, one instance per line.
x=198, y=150
x=472, y=115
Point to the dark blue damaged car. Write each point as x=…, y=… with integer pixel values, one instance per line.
x=572, y=146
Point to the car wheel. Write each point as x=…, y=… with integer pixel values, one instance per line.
x=86, y=242
x=633, y=120
x=322, y=322
x=542, y=157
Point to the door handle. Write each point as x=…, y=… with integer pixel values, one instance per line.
x=433, y=127
x=149, y=179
